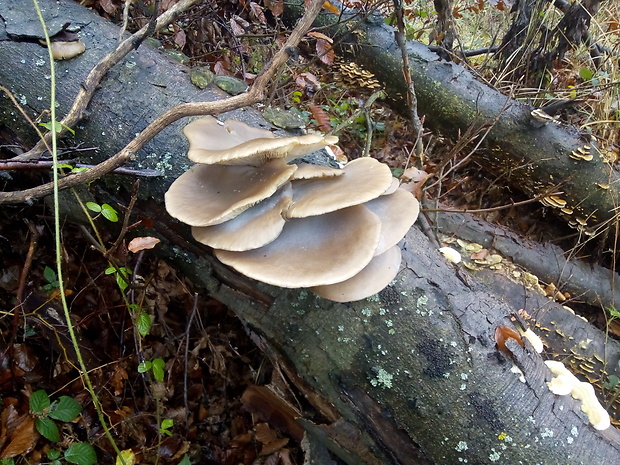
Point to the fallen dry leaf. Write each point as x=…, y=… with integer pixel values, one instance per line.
x=21, y=439
x=142, y=243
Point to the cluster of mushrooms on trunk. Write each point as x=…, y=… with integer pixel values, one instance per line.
x=294, y=225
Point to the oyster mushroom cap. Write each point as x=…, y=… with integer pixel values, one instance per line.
x=211, y=194
x=381, y=270
x=236, y=143
x=257, y=226
x=309, y=171
x=397, y=211
x=363, y=179
x=312, y=251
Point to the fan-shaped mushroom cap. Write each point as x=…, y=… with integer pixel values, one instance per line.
x=397, y=212
x=313, y=251
x=395, y=185
x=236, y=143
x=211, y=194
x=363, y=179
x=381, y=270
x=309, y=171
x=257, y=226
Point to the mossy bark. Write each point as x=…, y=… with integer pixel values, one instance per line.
x=414, y=369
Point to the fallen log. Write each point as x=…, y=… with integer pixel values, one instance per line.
x=414, y=370
x=537, y=158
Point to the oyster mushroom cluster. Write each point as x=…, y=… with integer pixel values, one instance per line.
x=331, y=230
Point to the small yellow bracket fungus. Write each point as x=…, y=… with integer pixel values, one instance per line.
x=564, y=383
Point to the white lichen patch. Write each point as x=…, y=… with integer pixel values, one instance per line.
x=546, y=433
x=494, y=456
x=383, y=379
x=461, y=446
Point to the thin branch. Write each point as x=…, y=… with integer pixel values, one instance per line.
x=87, y=90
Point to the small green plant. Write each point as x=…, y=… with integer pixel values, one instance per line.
x=52, y=279
x=143, y=321
x=105, y=209
x=66, y=409
x=121, y=274
x=165, y=426
x=157, y=366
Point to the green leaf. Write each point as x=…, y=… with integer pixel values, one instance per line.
x=39, y=401
x=185, y=460
x=53, y=454
x=397, y=172
x=67, y=409
x=167, y=423
x=47, y=428
x=7, y=461
x=126, y=457
x=144, y=367
x=58, y=126
x=50, y=275
x=93, y=207
x=48, y=126
x=110, y=270
x=122, y=278
x=109, y=212
x=158, y=369
x=612, y=382
x=586, y=74
x=144, y=323
x=81, y=453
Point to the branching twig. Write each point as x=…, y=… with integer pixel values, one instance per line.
x=254, y=95
x=88, y=88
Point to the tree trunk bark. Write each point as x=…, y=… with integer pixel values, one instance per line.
x=413, y=369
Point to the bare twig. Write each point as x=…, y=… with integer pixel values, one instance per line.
x=256, y=94
x=412, y=100
x=34, y=241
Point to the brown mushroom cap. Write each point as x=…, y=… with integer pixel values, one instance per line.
x=211, y=194
x=373, y=278
x=236, y=143
x=255, y=227
x=397, y=211
x=363, y=179
x=312, y=251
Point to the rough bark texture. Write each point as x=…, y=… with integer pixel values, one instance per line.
x=533, y=157
x=414, y=370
